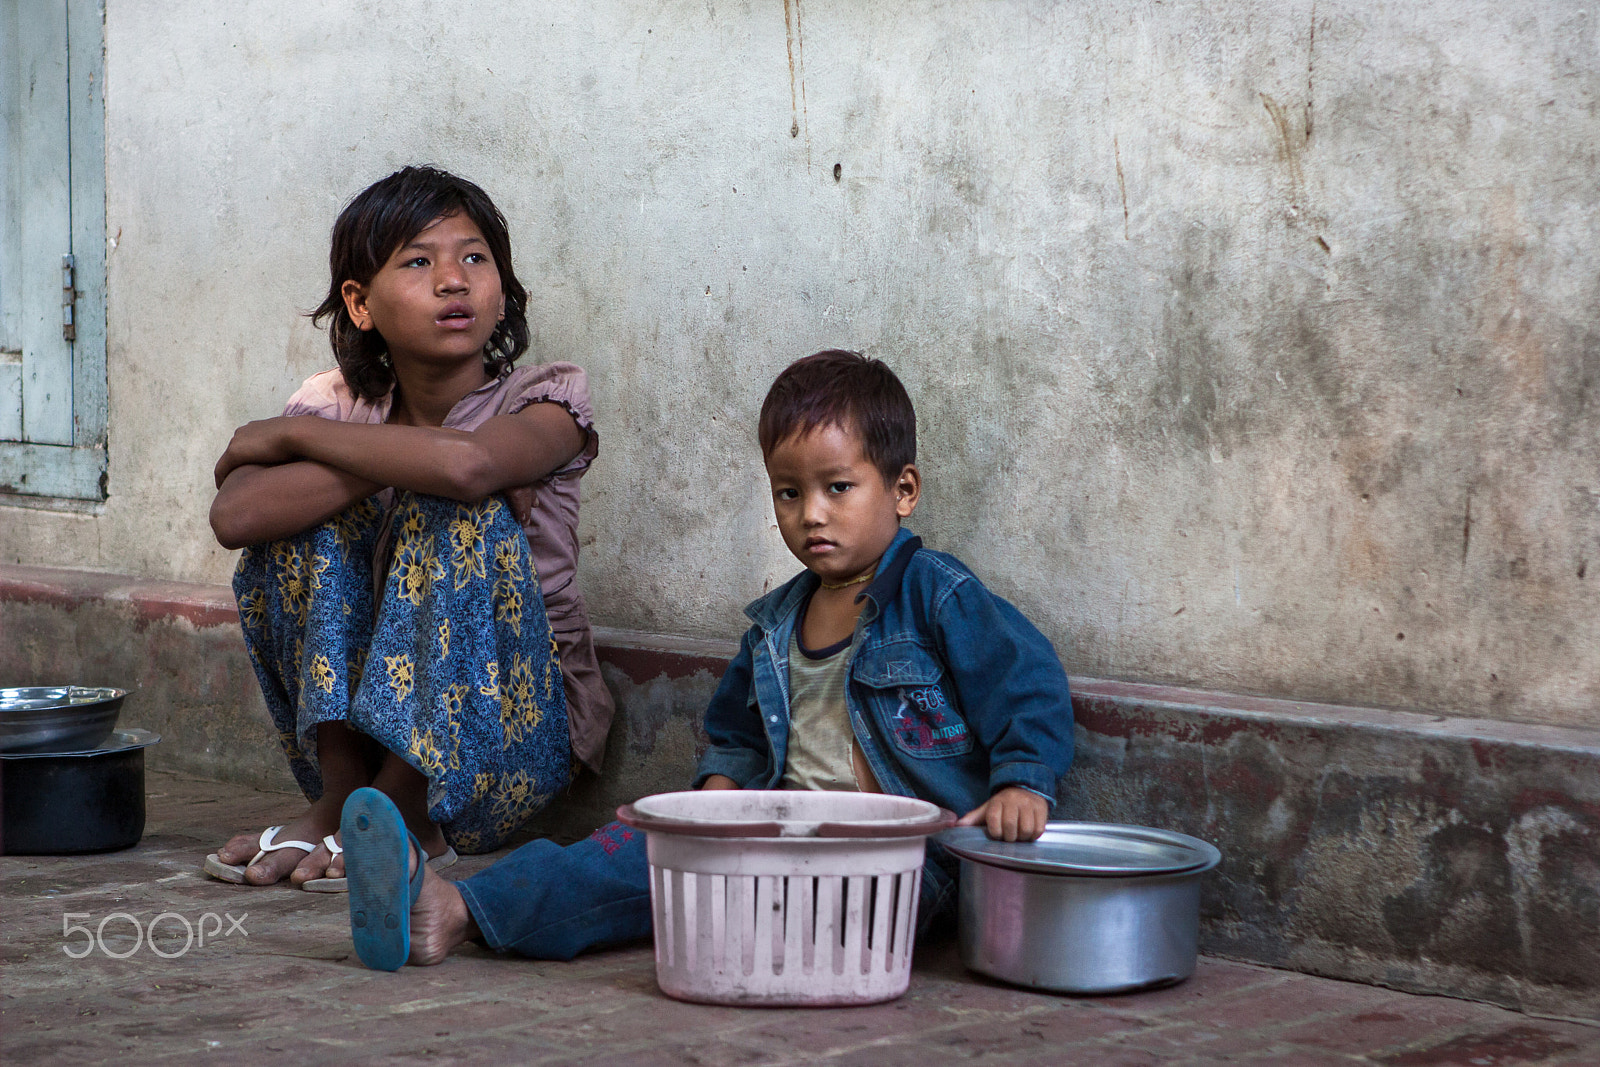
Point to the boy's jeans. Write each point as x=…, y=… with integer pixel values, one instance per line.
x=551, y=903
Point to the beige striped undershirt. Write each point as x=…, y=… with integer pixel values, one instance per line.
x=822, y=750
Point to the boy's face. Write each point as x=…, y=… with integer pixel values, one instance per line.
x=835, y=510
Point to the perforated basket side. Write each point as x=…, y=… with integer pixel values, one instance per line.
x=809, y=939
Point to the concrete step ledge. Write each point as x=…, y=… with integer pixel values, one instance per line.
x=1423, y=852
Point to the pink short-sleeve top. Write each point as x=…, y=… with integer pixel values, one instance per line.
x=547, y=510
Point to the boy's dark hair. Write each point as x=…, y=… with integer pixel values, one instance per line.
x=845, y=389
x=384, y=216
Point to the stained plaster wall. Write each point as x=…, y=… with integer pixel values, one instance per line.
x=1253, y=342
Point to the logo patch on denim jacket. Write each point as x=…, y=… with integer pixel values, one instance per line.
x=925, y=724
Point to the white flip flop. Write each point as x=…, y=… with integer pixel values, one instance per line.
x=445, y=859
x=234, y=872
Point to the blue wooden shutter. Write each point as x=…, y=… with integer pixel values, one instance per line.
x=52, y=249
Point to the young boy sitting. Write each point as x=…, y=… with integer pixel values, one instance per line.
x=882, y=667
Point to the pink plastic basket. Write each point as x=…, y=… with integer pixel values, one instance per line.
x=784, y=898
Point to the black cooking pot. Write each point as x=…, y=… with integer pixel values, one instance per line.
x=55, y=803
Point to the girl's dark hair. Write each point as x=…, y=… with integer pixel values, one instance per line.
x=848, y=390
x=381, y=218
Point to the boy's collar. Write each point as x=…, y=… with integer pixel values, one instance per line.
x=770, y=609
x=896, y=558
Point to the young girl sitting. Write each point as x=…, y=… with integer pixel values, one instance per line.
x=409, y=528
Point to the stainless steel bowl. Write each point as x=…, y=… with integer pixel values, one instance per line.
x=61, y=718
x=1090, y=908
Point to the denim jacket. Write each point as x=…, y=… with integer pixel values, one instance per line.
x=952, y=693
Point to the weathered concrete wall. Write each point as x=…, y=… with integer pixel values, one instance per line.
x=1428, y=853
x=1254, y=342
x=176, y=648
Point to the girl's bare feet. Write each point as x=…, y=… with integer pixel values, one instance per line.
x=408, y=788
x=319, y=820
x=432, y=838
x=342, y=758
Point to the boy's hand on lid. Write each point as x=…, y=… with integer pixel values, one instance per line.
x=1012, y=814
x=719, y=781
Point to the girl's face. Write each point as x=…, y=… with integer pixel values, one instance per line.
x=437, y=299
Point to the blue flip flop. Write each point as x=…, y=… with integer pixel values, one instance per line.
x=376, y=858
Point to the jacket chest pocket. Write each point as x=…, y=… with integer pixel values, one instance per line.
x=902, y=681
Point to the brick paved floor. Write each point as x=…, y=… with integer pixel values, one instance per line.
x=284, y=985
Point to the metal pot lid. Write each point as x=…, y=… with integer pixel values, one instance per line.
x=1103, y=850
x=119, y=741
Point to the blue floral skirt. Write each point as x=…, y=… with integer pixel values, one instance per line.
x=454, y=669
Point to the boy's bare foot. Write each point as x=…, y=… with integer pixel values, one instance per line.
x=439, y=920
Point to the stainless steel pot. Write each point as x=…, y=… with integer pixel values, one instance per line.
x=1089, y=908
